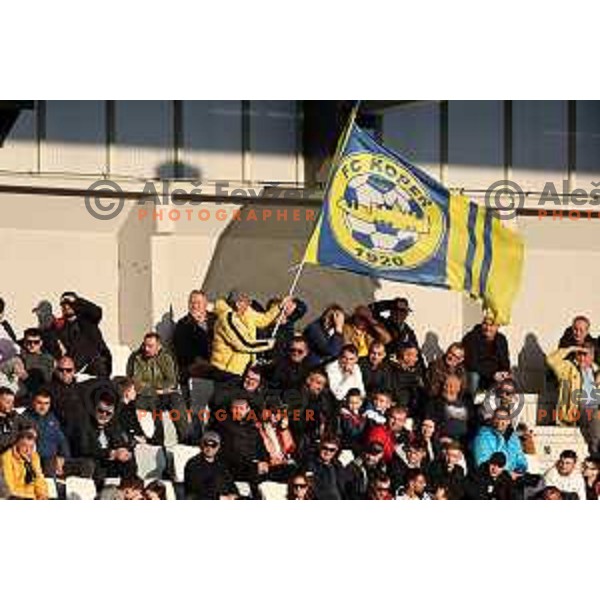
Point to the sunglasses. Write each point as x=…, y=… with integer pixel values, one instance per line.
x=296, y=350
x=65, y=370
x=329, y=449
x=32, y=342
x=211, y=444
x=299, y=486
x=104, y=411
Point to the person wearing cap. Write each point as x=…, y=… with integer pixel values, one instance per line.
x=79, y=333
x=491, y=481
x=235, y=342
x=205, y=476
x=499, y=436
x=362, y=329
x=579, y=394
x=363, y=470
x=486, y=355
x=400, y=332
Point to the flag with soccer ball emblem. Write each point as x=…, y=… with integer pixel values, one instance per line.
x=384, y=217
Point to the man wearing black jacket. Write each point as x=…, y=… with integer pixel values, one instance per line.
x=80, y=335
x=486, y=354
x=67, y=402
x=491, y=481
x=206, y=477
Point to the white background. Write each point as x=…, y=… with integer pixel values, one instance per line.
x=288, y=50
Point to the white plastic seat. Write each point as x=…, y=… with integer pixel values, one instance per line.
x=271, y=490
x=170, y=431
x=179, y=455
x=52, y=491
x=243, y=488
x=79, y=488
x=150, y=461
x=346, y=457
x=146, y=422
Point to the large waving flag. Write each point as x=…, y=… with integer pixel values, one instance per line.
x=386, y=218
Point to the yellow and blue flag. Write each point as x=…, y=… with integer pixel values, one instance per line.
x=384, y=217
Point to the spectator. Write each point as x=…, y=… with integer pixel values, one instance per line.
x=491, y=481
x=352, y=421
x=407, y=380
x=395, y=323
x=406, y=458
x=38, y=364
x=11, y=423
x=79, y=333
x=577, y=334
x=300, y=487
x=100, y=438
x=289, y=371
x=293, y=312
x=486, y=355
x=52, y=445
x=66, y=395
x=153, y=371
x=192, y=339
x=362, y=472
x=278, y=441
x=244, y=453
x=578, y=392
x=376, y=408
x=325, y=335
x=235, y=343
x=451, y=363
x=380, y=488
x=126, y=412
x=500, y=437
x=206, y=477
x=12, y=370
x=429, y=438
x=591, y=475
x=327, y=472
x=22, y=470
x=550, y=493
x=446, y=471
x=361, y=330
x=131, y=488
x=566, y=477
x=375, y=369
x=416, y=484
x=6, y=330
x=450, y=411
x=391, y=435
x=155, y=490
x=344, y=373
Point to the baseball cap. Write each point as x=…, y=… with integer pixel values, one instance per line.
x=211, y=436
x=498, y=459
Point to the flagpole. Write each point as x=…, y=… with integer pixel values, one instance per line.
x=340, y=146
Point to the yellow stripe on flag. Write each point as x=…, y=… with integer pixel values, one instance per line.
x=311, y=255
x=478, y=260
x=458, y=241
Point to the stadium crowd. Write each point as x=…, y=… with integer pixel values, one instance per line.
x=343, y=408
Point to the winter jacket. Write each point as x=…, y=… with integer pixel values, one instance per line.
x=152, y=374
x=329, y=479
x=402, y=333
x=14, y=471
x=83, y=339
x=67, y=405
x=485, y=358
x=51, y=440
x=374, y=380
x=570, y=381
x=436, y=376
x=482, y=486
x=10, y=425
x=191, y=342
x=488, y=440
x=235, y=342
x=383, y=435
x=324, y=345
x=205, y=480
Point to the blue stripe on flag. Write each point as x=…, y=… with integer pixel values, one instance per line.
x=471, y=249
x=487, y=252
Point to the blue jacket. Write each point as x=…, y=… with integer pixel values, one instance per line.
x=51, y=440
x=488, y=440
x=323, y=346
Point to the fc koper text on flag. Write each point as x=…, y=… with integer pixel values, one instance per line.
x=384, y=217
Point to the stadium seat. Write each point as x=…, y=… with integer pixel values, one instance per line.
x=243, y=488
x=170, y=431
x=179, y=455
x=151, y=461
x=52, y=491
x=271, y=490
x=79, y=488
x=146, y=422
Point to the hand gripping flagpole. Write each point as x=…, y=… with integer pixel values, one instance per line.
x=300, y=267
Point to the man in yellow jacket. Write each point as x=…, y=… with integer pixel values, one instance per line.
x=22, y=469
x=235, y=344
x=579, y=395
